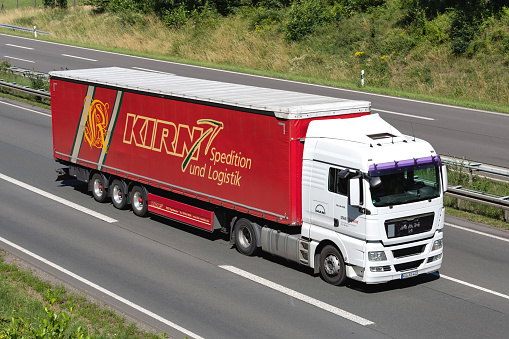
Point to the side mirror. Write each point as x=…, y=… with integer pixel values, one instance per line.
x=445, y=182
x=354, y=192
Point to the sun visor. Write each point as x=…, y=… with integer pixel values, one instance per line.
x=376, y=170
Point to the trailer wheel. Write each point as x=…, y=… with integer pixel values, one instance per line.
x=139, y=201
x=118, y=194
x=97, y=185
x=245, y=237
x=332, y=266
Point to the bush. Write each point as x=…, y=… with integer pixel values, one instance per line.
x=306, y=15
x=262, y=16
x=175, y=18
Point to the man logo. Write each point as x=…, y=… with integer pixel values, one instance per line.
x=320, y=209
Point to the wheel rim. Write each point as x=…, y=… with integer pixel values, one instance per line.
x=138, y=201
x=98, y=188
x=331, y=265
x=244, y=237
x=117, y=194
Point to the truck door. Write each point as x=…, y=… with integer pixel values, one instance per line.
x=321, y=202
x=347, y=219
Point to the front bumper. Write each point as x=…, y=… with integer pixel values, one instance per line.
x=403, y=261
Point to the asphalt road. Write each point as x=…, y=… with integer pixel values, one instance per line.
x=472, y=134
x=170, y=276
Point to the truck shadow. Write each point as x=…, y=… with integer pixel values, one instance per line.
x=353, y=284
x=392, y=285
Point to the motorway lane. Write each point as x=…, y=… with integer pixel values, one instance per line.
x=184, y=283
x=472, y=134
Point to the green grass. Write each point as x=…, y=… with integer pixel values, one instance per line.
x=34, y=82
x=30, y=305
x=458, y=176
x=396, y=61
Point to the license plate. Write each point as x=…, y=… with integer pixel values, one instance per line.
x=409, y=274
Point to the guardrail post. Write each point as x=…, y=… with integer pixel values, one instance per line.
x=506, y=216
x=35, y=32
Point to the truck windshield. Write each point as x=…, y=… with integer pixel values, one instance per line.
x=409, y=184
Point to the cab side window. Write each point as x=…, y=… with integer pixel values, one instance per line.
x=336, y=184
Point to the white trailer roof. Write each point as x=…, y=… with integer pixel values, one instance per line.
x=284, y=104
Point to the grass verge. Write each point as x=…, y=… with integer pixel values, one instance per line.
x=34, y=308
x=334, y=55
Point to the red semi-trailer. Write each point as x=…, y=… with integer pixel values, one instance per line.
x=208, y=154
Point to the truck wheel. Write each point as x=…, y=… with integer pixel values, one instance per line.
x=98, y=191
x=118, y=195
x=245, y=237
x=139, y=201
x=332, y=266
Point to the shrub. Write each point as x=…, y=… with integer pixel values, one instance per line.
x=175, y=18
x=305, y=16
x=262, y=16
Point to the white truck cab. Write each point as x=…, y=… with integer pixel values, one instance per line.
x=374, y=194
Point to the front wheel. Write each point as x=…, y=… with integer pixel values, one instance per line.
x=245, y=237
x=139, y=201
x=332, y=266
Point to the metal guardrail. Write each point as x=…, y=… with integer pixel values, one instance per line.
x=488, y=199
x=467, y=194
x=474, y=166
x=27, y=72
x=23, y=29
x=25, y=89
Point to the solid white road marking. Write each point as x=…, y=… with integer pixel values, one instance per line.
x=77, y=57
x=299, y=296
x=403, y=114
x=9, y=57
x=58, y=199
x=474, y=286
x=27, y=109
x=476, y=232
x=101, y=289
x=19, y=46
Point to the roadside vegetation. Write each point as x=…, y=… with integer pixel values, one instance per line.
x=33, y=308
x=441, y=50
x=459, y=176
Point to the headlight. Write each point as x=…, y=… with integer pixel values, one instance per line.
x=437, y=245
x=377, y=256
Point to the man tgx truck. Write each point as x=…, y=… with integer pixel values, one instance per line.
x=317, y=180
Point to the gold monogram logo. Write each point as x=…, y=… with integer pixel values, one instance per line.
x=97, y=123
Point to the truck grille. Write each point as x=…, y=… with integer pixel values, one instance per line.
x=405, y=252
x=408, y=226
x=408, y=265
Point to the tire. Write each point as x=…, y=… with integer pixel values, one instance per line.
x=139, y=201
x=118, y=194
x=245, y=237
x=332, y=266
x=97, y=186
